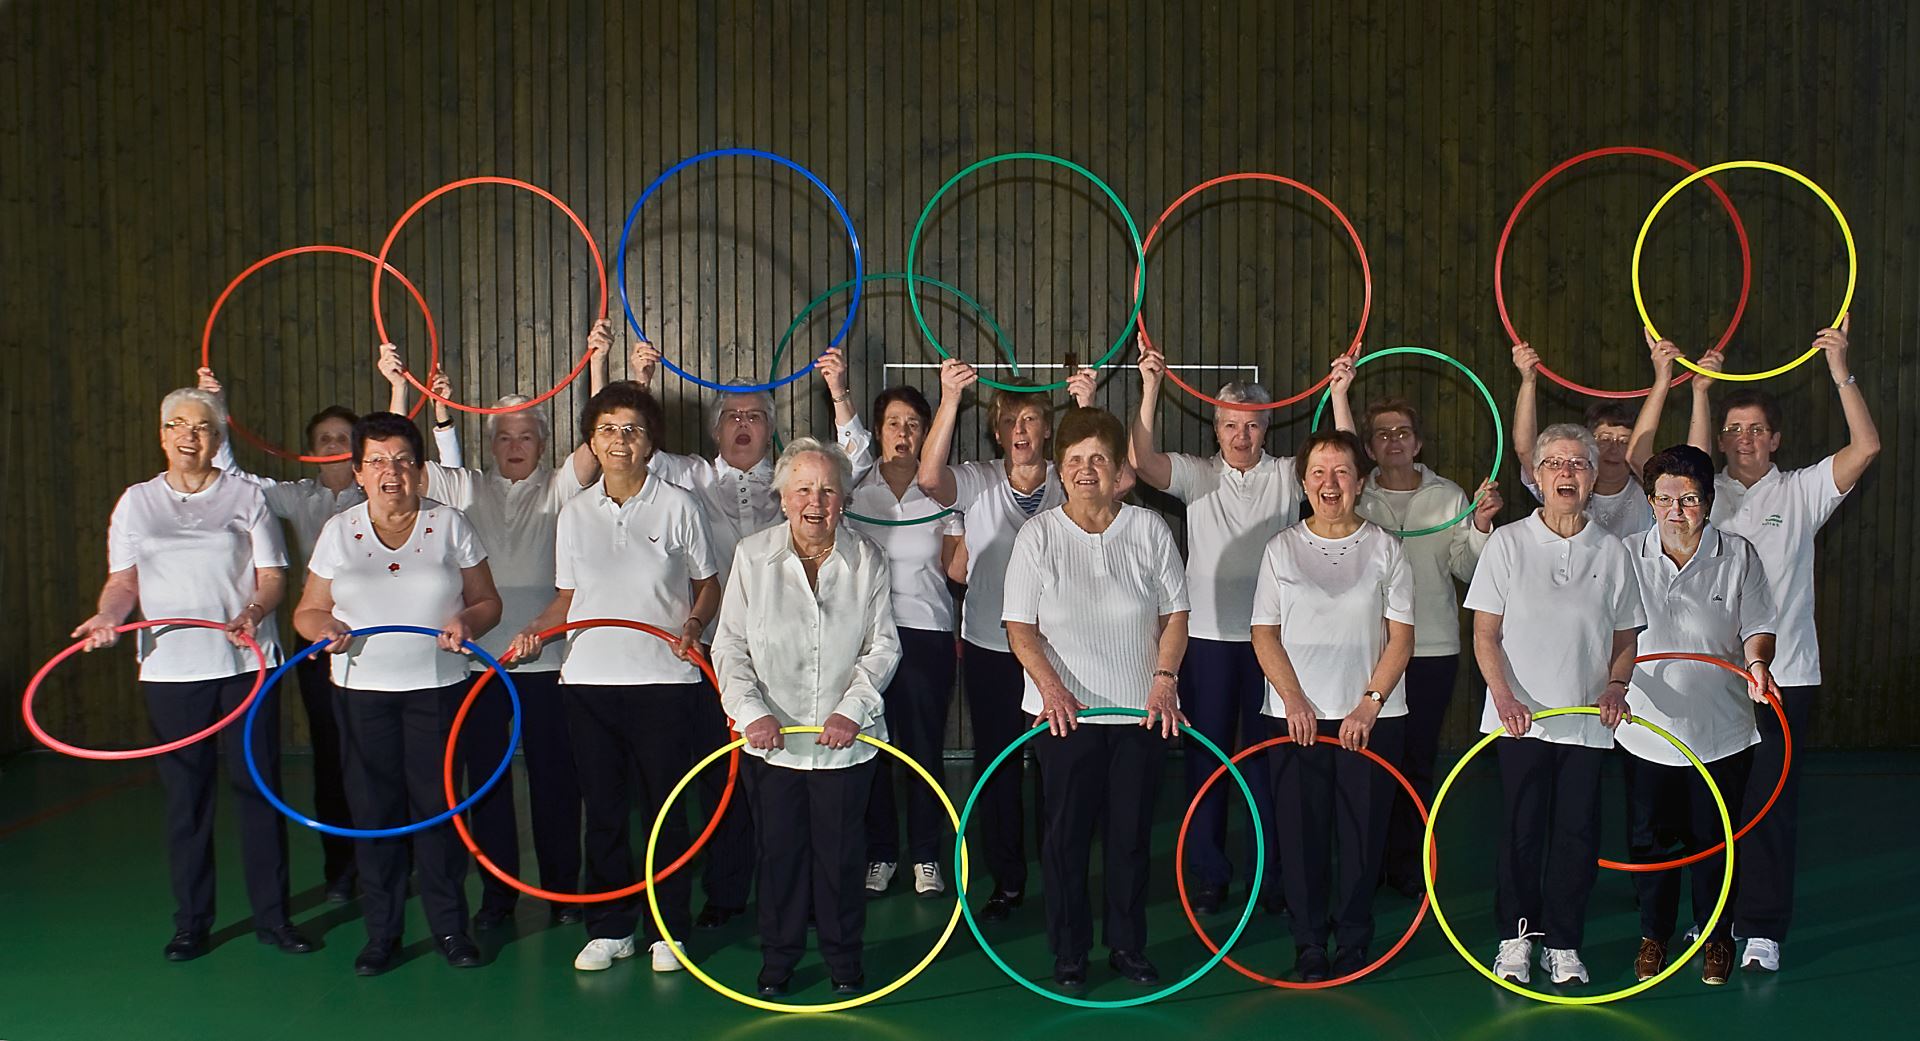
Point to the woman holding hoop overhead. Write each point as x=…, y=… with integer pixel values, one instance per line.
x=1619, y=502
x=1333, y=626
x=399, y=559
x=807, y=638
x=195, y=543
x=1096, y=612
x=997, y=497
x=1556, y=616
x=634, y=547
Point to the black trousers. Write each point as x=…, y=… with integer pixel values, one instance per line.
x=1429, y=691
x=1222, y=691
x=1764, y=862
x=631, y=745
x=916, y=702
x=1099, y=777
x=1550, y=837
x=995, y=683
x=1322, y=794
x=811, y=827
x=190, y=777
x=727, y=876
x=551, y=786
x=1662, y=799
x=395, y=741
x=329, y=789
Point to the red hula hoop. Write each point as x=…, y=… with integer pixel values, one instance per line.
x=1366, y=273
x=33, y=687
x=466, y=836
x=206, y=339
x=1500, y=256
x=1786, y=763
x=1180, y=872
x=380, y=323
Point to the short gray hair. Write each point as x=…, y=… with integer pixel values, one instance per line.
x=1237, y=393
x=1567, y=432
x=799, y=446
x=761, y=398
x=539, y=417
x=211, y=402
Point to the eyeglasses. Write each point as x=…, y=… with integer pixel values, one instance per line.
x=1572, y=466
x=1689, y=501
x=1396, y=434
x=1611, y=439
x=177, y=426
x=387, y=462
x=1755, y=430
x=623, y=431
x=748, y=416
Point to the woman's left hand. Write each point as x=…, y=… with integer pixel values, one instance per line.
x=838, y=732
x=1763, y=683
x=1613, y=706
x=1081, y=386
x=832, y=368
x=684, y=647
x=1163, y=706
x=455, y=636
x=1490, y=506
x=240, y=630
x=1357, y=727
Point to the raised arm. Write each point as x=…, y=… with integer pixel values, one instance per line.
x=1339, y=381
x=1154, y=466
x=1700, y=432
x=586, y=468
x=935, y=477
x=1646, y=426
x=1526, y=416
x=1863, y=438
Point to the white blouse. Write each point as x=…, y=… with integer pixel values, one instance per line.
x=1780, y=515
x=920, y=596
x=1230, y=517
x=993, y=519
x=306, y=504
x=1438, y=559
x=1332, y=599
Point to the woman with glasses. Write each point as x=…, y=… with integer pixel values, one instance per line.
x=1618, y=502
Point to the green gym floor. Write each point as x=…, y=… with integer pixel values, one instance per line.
x=83, y=884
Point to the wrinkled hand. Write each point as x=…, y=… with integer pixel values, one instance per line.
x=838, y=732
x=1358, y=725
x=454, y=637
x=336, y=636
x=689, y=640
x=1834, y=342
x=1490, y=505
x=832, y=368
x=439, y=383
x=1527, y=360
x=1513, y=715
x=956, y=376
x=1059, y=711
x=1302, y=725
x=643, y=361
x=1163, y=707
x=241, y=629
x=1153, y=367
x=764, y=734
x=1613, y=706
x=1341, y=376
x=98, y=631
x=1763, y=683
x=390, y=365
x=208, y=383
x=1081, y=386
x=1662, y=352
x=1712, y=361
x=525, y=646
x=599, y=341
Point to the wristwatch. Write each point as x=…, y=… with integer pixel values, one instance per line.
x=1376, y=697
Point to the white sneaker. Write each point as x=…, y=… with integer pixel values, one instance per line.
x=880, y=875
x=1511, y=963
x=1761, y=954
x=927, y=880
x=599, y=954
x=663, y=957
x=1563, y=965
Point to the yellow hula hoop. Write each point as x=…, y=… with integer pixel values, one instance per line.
x=653, y=899
x=1853, y=259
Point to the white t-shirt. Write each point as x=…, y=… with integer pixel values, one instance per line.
x=1098, y=600
x=1780, y=515
x=635, y=560
x=1332, y=599
x=1560, y=602
x=196, y=554
x=306, y=504
x=1711, y=606
x=417, y=584
x=1437, y=559
x=982, y=493
x=1625, y=513
x=920, y=597
x=1231, y=516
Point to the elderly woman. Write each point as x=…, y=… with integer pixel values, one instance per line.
x=1096, y=612
x=807, y=638
x=1618, y=503
x=399, y=559
x=1556, y=615
x=1704, y=592
x=1333, y=625
x=196, y=543
x=1236, y=501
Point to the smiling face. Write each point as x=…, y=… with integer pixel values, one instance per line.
x=1332, y=482
x=1022, y=433
x=390, y=474
x=1671, y=497
x=1240, y=434
x=1747, y=439
x=744, y=430
x=902, y=432
x=1565, y=476
x=517, y=445
x=1090, y=472
x=1393, y=442
x=812, y=499
x=189, y=435
x=619, y=441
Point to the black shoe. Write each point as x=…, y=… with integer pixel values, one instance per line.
x=1413, y=887
x=1350, y=960
x=1309, y=964
x=851, y=986
x=773, y=984
x=1132, y=965
x=285, y=938
x=567, y=914
x=459, y=950
x=490, y=918
x=376, y=957
x=186, y=945
x=340, y=890
x=1274, y=905
x=713, y=916
x=1001, y=904
x=1208, y=900
x=1070, y=972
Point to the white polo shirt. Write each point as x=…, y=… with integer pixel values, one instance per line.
x=306, y=504
x=418, y=583
x=196, y=554
x=1332, y=599
x=1231, y=516
x=1711, y=606
x=635, y=560
x=1560, y=602
x=982, y=493
x=920, y=597
x=1098, y=600
x=1780, y=515
x=1625, y=513
x=1437, y=559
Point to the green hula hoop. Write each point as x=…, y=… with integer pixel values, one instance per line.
x=1673, y=965
x=1259, y=868
x=1133, y=230
x=1493, y=408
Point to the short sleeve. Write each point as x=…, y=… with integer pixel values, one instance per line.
x=1627, y=609
x=1399, y=583
x=696, y=543
x=1493, y=577
x=264, y=531
x=1269, y=604
x=566, y=537
x=327, y=558
x=970, y=482
x=1172, y=577
x=1817, y=491
x=951, y=524
x=1190, y=477
x=468, y=550
x=123, y=542
x=1757, y=611
x=1020, y=600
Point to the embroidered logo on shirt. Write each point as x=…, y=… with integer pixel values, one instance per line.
x=392, y=568
x=1774, y=521
x=653, y=538
x=359, y=535
x=1718, y=599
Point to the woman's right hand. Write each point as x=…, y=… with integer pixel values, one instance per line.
x=390, y=365
x=336, y=635
x=208, y=382
x=643, y=360
x=1060, y=711
x=955, y=377
x=525, y=646
x=764, y=733
x=1153, y=367
x=1302, y=725
x=1517, y=718
x=1663, y=352
x=1712, y=361
x=98, y=632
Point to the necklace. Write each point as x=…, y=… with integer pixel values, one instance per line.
x=191, y=492
x=803, y=556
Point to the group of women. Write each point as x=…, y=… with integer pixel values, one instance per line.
x=1298, y=611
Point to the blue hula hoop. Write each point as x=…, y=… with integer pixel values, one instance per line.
x=853, y=238
x=266, y=790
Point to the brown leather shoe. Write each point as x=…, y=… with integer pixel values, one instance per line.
x=1717, y=962
x=1651, y=959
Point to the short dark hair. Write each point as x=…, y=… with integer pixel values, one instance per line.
x=1015, y=395
x=1681, y=461
x=1320, y=439
x=908, y=396
x=384, y=426
x=625, y=394
x=1082, y=423
x=1376, y=409
x=1609, y=414
x=1746, y=397
x=330, y=412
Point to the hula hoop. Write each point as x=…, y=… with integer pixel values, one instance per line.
x=853, y=239
x=1786, y=763
x=267, y=792
x=206, y=340
x=41, y=735
x=1673, y=966
x=380, y=323
x=1493, y=407
x=920, y=226
x=1366, y=274
x=1500, y=258
x=659, y=921
x=1853, y=259
x=1219, y=953
x=486, y=862
x=1180, y=872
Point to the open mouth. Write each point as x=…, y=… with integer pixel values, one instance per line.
x=813, y=516
x=742, y=440
x=1021, y=444
x=1331, y=498
x=390, y=487
x=902, y=448
x=1567, y=488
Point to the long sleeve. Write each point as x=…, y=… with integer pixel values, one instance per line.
x=446, y=445
x=879, y=652
x=741, y=692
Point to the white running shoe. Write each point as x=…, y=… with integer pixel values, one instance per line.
x=600, y=954
x=663, y=959
x=1761, y=954
x=927, y=880
x=1511, y=963
x=880, y=875
x=1563, y=965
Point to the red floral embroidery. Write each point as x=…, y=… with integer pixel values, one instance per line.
x=429, y=531
x=359, y=534
x=392, y=568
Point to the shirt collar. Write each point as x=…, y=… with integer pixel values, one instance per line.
x=1545, y=536
x=762, y=470
x=1711, y=545
x=1267, y=464
x=598, y=493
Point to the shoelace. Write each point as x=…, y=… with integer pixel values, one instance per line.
x=1519, y=944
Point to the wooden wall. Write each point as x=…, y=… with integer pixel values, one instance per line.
x=148, y=152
